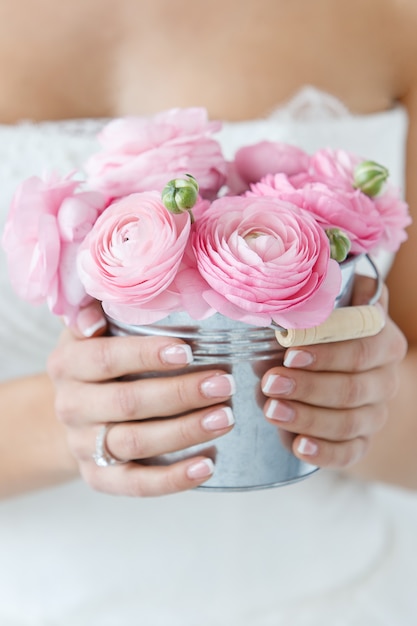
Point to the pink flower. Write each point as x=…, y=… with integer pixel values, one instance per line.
x=350, y=210
x=131, y=256
x=395, y=218
x=143, y=154
x=253, y=162
x=335, y=168
x=47, y=221
x=265, y=259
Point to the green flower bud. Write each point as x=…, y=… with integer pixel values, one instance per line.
x=369, y=177
x=180, y=194
x=339, y=244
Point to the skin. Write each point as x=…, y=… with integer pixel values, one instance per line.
x=353, y=403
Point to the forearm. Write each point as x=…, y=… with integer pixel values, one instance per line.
x=392, y=456
x=33, y=450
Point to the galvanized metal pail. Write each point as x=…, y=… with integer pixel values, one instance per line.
x=255, y=454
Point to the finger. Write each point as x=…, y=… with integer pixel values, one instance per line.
x=328, y=454
x=357, y=355
x=364, y=290
x=90, y=321
x=106, y=358
x=135, y=480
x=142, y=440
x=341, y=425
x=80, y=404
x=387, y=347
x=332, y=389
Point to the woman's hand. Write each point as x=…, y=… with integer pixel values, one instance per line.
x=333, y=397
x=146, y=417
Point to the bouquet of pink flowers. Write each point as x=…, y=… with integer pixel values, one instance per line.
x=159, y=222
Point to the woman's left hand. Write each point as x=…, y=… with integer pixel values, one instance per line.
x=333, y=397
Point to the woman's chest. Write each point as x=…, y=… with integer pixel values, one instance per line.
x=238, y=59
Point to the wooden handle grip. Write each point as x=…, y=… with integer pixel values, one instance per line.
x=345, y=323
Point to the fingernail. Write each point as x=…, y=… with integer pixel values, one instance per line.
x=89, y=321
x=307, y=447
x=298, y=358
x=222, y=418
x=279, y=411
x=278, y=384
x=201, y=469
x=177, y=354
x=219, y=386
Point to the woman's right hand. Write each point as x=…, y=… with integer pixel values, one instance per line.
x=146, y=417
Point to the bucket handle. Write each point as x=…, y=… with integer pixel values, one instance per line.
x=344, y=323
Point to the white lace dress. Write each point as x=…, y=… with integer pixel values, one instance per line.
x=324, y=552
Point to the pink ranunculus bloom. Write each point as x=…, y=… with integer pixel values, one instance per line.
x=394, y=216
x=333, y=207
x=255, y=161
x=333, y=167
x=336, y=169
x=375, y=223
x=143, y=154
x=265, y=259
x=131, y=256
x=353, y=212
x=48, y=219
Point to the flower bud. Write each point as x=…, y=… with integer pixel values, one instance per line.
x=339, y=244
x=369, y=177
x=180, y=194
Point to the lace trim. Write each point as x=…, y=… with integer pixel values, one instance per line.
x=81, y=127
x=311, y=104
x=27, y=148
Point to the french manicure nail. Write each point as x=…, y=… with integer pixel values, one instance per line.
x=279, y=411
x=89, y=321
x=220, y=386
x=217, y=420
x=307, y=447
x=177, y=354
x=200, y=469
x=298, y=358
x=278, y=384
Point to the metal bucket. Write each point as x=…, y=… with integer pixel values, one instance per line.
x=255, y=454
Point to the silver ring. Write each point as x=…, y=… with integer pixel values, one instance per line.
x=102, y=456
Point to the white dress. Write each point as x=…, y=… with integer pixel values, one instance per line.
x=327, y=551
